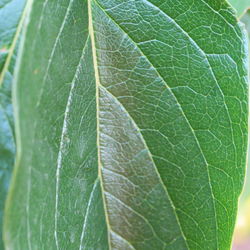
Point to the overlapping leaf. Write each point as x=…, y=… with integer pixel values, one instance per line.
x=132, y=126
x=10, y=12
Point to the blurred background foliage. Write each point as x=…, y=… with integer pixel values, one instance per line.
x=242, y=230
x=240, y=5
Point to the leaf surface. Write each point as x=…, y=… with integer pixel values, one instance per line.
x=132, y=126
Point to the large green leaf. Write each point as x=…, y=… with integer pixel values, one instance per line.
x=240, y=5
x=131, y=126
x=10, y=25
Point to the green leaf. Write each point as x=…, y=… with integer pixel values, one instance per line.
x=240, y=5
x=131, y=126
x=10, y=12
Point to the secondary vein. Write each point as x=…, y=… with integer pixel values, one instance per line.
x=62, y=141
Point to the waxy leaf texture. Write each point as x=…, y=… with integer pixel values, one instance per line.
x=131, y=126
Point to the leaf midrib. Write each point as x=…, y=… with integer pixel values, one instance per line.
x=97, y=81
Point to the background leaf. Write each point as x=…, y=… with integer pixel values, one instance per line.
x=132, y=126
x=240, y=5
x=242, y=232
x=246, y=20
x=10, y=12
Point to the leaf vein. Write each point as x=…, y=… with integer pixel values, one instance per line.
x=62, y=145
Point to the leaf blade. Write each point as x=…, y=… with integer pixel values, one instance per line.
x=119, y=126
x=118, y=14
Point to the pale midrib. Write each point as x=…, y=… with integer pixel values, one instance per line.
x=97, y=80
